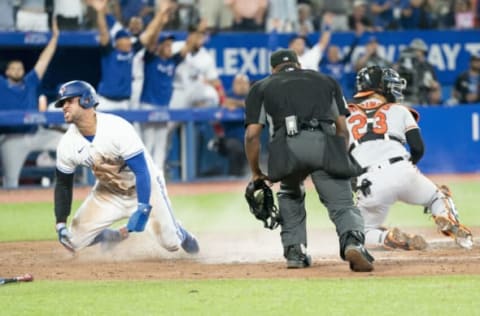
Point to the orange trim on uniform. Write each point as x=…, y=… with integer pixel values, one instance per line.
x=409, y=128
x=415, y=114
x=363, y=94
x=352, y=107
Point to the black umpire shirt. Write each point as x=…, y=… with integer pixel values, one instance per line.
x=293, y=91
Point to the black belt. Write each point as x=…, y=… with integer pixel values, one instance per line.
x=395, y=159
x=310, y=128
x=311, y=125
x=378, y=166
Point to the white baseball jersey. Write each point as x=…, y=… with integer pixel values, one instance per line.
x=199, y=66
x=191, y=76
x=391, y=179
x=114, y=194
x=390, y=119
x=310, y=59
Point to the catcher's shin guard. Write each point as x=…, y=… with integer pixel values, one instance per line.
x=447, y=220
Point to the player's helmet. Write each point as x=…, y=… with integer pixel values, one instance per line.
x=77, y=88
x=385, y=81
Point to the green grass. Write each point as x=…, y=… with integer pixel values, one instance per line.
x=226, y=212
x=374, y=296
x=442, y=295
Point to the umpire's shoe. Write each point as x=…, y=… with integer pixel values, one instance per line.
x=297, y=257
x=359, y=258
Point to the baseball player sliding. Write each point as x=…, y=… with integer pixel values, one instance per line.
x=379, y=128
x=128, y=184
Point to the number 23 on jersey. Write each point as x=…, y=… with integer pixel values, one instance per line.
x=360, y=123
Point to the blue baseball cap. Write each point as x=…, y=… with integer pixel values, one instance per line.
x=122, y=34
x=165, y=36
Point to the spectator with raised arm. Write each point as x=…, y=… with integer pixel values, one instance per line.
x=197, y=81
x=309, y=58
x=18, y=91
x=159, y=70
x=340, y=67
x=115, y=87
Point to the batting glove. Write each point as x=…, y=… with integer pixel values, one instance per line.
x=139, y=218
x=64, y=236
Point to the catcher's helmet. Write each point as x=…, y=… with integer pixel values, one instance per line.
x=77, y=88
x=384, y=81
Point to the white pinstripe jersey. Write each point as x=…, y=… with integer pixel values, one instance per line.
x=392, y=119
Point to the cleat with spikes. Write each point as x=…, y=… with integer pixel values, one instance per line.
x=396, y=239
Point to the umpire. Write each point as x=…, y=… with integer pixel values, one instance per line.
x=303, y=108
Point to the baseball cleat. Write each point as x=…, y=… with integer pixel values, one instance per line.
x=359, y=259
x=299, y=263
x=189, y=243
x=297, y=257
x=460, y=233
x=396, y=239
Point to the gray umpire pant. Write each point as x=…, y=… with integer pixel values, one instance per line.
x=335, y=194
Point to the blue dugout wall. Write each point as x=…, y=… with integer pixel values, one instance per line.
x=451, y=133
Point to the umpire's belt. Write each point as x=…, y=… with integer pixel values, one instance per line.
x=382, y=165
x=311, y=125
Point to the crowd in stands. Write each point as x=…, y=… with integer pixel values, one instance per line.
x=135, y=43
x=299, y=16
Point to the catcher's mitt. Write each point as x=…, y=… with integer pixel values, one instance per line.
x=259, y=197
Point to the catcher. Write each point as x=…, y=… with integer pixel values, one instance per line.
x=379, y=128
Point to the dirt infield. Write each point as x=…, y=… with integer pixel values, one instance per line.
x=251, y=254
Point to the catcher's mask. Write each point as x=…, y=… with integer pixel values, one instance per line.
x=385, y=81
x=259, y=197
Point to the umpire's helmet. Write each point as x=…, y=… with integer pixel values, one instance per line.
x=77, y=88
x=384, y=81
